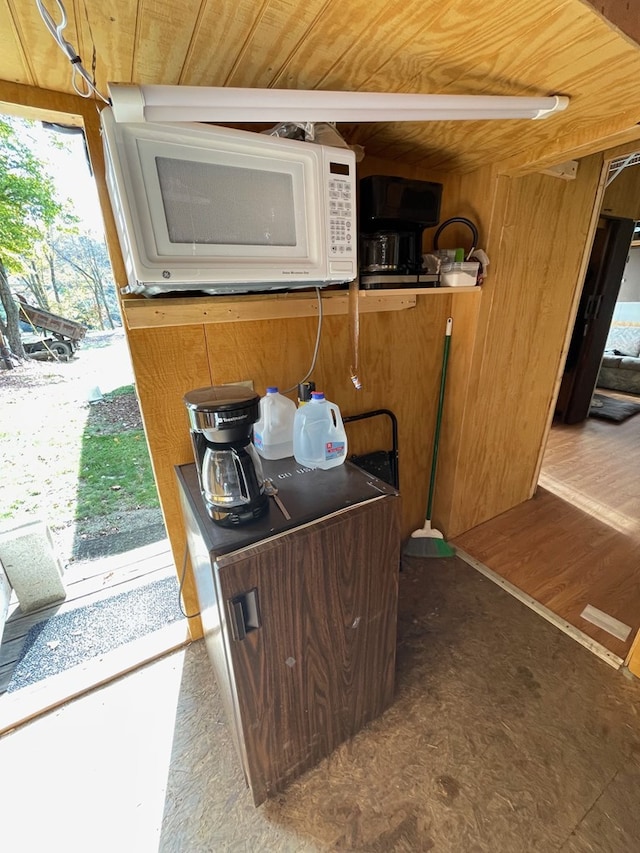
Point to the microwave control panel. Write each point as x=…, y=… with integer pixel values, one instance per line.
x=342, y=209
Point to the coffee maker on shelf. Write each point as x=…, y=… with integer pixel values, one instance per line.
x=393, y=213
x=229, y=469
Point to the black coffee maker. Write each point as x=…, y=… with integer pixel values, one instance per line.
x=229, y=469
x=393, y=213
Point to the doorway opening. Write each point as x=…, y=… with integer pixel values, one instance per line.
x=77, y=460
x=589, y=468
x=572, y=551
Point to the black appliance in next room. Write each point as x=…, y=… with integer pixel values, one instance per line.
x=229, y=469
x=393, y=213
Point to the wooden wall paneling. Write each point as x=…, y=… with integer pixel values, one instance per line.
x=167, y=365
x=399, y=358
x=472, y=196
x=539, y=235
x=591, y=230
x=465, y=313
x=622, y=196
x=398, y=365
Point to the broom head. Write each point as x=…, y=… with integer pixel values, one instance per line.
x=427, y=542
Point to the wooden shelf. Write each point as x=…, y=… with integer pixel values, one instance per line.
x=156, y=312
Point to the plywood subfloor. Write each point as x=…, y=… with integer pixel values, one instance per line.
x=505, y=736
x=577, y=542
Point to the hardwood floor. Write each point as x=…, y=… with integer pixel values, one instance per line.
x=577, y=542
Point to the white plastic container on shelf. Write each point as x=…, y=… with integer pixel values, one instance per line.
x=319, y=437
x=460, y=274
x=273, y=431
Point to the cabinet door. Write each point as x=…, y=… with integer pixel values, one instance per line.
x=316, y=657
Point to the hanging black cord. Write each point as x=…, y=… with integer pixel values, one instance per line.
x=463, y=221
x=182, y=577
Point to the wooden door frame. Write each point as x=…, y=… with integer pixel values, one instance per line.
x=593, y=224
x=43, y=105
x=632, y=661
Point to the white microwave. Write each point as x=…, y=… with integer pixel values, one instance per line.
x=217, y=210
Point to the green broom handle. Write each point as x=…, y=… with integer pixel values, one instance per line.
x=436, y=437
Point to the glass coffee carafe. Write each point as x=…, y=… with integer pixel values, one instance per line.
x=232, y=476
x=229, y=469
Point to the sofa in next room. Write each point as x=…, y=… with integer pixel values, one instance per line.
x=620, y=369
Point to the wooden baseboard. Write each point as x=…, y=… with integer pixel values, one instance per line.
x=633, y=658
x=575, y=634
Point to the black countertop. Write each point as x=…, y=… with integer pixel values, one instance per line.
x=308, y=494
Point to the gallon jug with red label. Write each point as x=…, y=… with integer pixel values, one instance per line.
x=319, y=437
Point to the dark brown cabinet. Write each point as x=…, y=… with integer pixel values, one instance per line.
x=300, y=624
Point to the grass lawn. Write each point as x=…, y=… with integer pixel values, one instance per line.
x=115, y=471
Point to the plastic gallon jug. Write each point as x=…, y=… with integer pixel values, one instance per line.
x=319, y=438
x=273, y=431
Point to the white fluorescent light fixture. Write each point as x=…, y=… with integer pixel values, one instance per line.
x=226, y=104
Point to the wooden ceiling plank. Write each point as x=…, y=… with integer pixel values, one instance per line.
x=228, y=26
x=384, y=22
x=301, y=48
x=329, y=45
x=380, y=29
x=605, y=100
x=539, y=49
x=195, y=32
x=562, y=70
x=506, y=60
x=50, y=70
x=112, y=27
x=583, y=145
x=371, y=57
x=441, y=50
x=14, y=57
x=163, y=35
x=387, y=39
x=443, y=47
x=245, y=49
x=459, y=46
x=616, y=90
